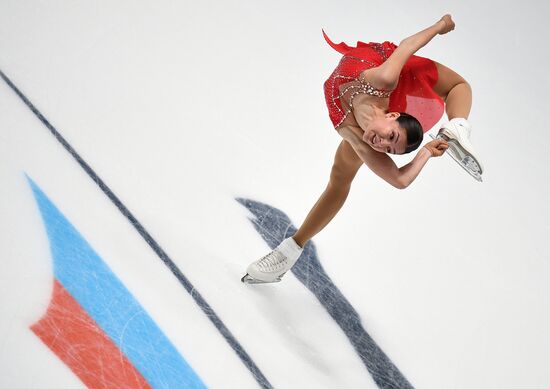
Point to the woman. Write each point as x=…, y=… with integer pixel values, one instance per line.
x=381, y=99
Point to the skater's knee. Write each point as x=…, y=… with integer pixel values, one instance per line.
x=447, y=80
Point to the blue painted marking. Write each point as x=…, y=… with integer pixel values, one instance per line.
x=97, y=289
x=159, y=251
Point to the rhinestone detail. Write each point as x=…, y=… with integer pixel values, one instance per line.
x=361, y=87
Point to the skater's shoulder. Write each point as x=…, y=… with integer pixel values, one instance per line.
x=352, y=134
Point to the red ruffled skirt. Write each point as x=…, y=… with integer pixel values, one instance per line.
x=414, y=93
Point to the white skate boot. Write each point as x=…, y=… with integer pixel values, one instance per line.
x=271, y=267
x=457, y=133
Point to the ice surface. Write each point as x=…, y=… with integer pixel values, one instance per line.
x=207, y=121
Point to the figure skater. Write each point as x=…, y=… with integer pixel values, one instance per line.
x=381, y=99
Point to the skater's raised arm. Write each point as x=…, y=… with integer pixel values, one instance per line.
x=387, y=74
x=384, y=167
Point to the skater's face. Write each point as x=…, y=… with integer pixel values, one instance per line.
x=385, y=135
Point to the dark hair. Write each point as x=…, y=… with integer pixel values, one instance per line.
x=414, y=131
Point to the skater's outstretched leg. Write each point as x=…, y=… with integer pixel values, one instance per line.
x=273, y=265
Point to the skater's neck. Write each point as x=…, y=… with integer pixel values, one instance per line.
x=366, y=113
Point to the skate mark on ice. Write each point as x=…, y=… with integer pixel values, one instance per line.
x=274, y=226
x=159, y=251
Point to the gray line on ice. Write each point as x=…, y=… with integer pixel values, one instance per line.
x=274, y=226
x=159, y=251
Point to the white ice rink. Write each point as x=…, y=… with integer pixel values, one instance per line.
x=208, y=141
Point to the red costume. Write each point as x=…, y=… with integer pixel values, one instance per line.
x=414, y=93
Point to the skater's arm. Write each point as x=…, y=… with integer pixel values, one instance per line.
x=387, y=75
x=383, y=166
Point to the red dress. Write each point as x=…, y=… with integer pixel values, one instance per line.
x=414, y=93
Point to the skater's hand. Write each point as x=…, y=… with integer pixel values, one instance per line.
x=437, y=147
x=446, y=24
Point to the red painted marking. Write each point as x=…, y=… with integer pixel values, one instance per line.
x=77, y=340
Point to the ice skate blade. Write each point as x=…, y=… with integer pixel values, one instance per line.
x=248, y=279
x=467, y=162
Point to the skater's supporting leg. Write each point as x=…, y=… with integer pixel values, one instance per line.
x=346, y=164
x=455, y=90
x=271, y=267
x=322, y=213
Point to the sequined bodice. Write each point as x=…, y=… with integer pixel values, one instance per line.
x=413, y=94
x=348, y=87
x=357, y=87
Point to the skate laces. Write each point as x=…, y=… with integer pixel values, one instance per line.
x=273, y=261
